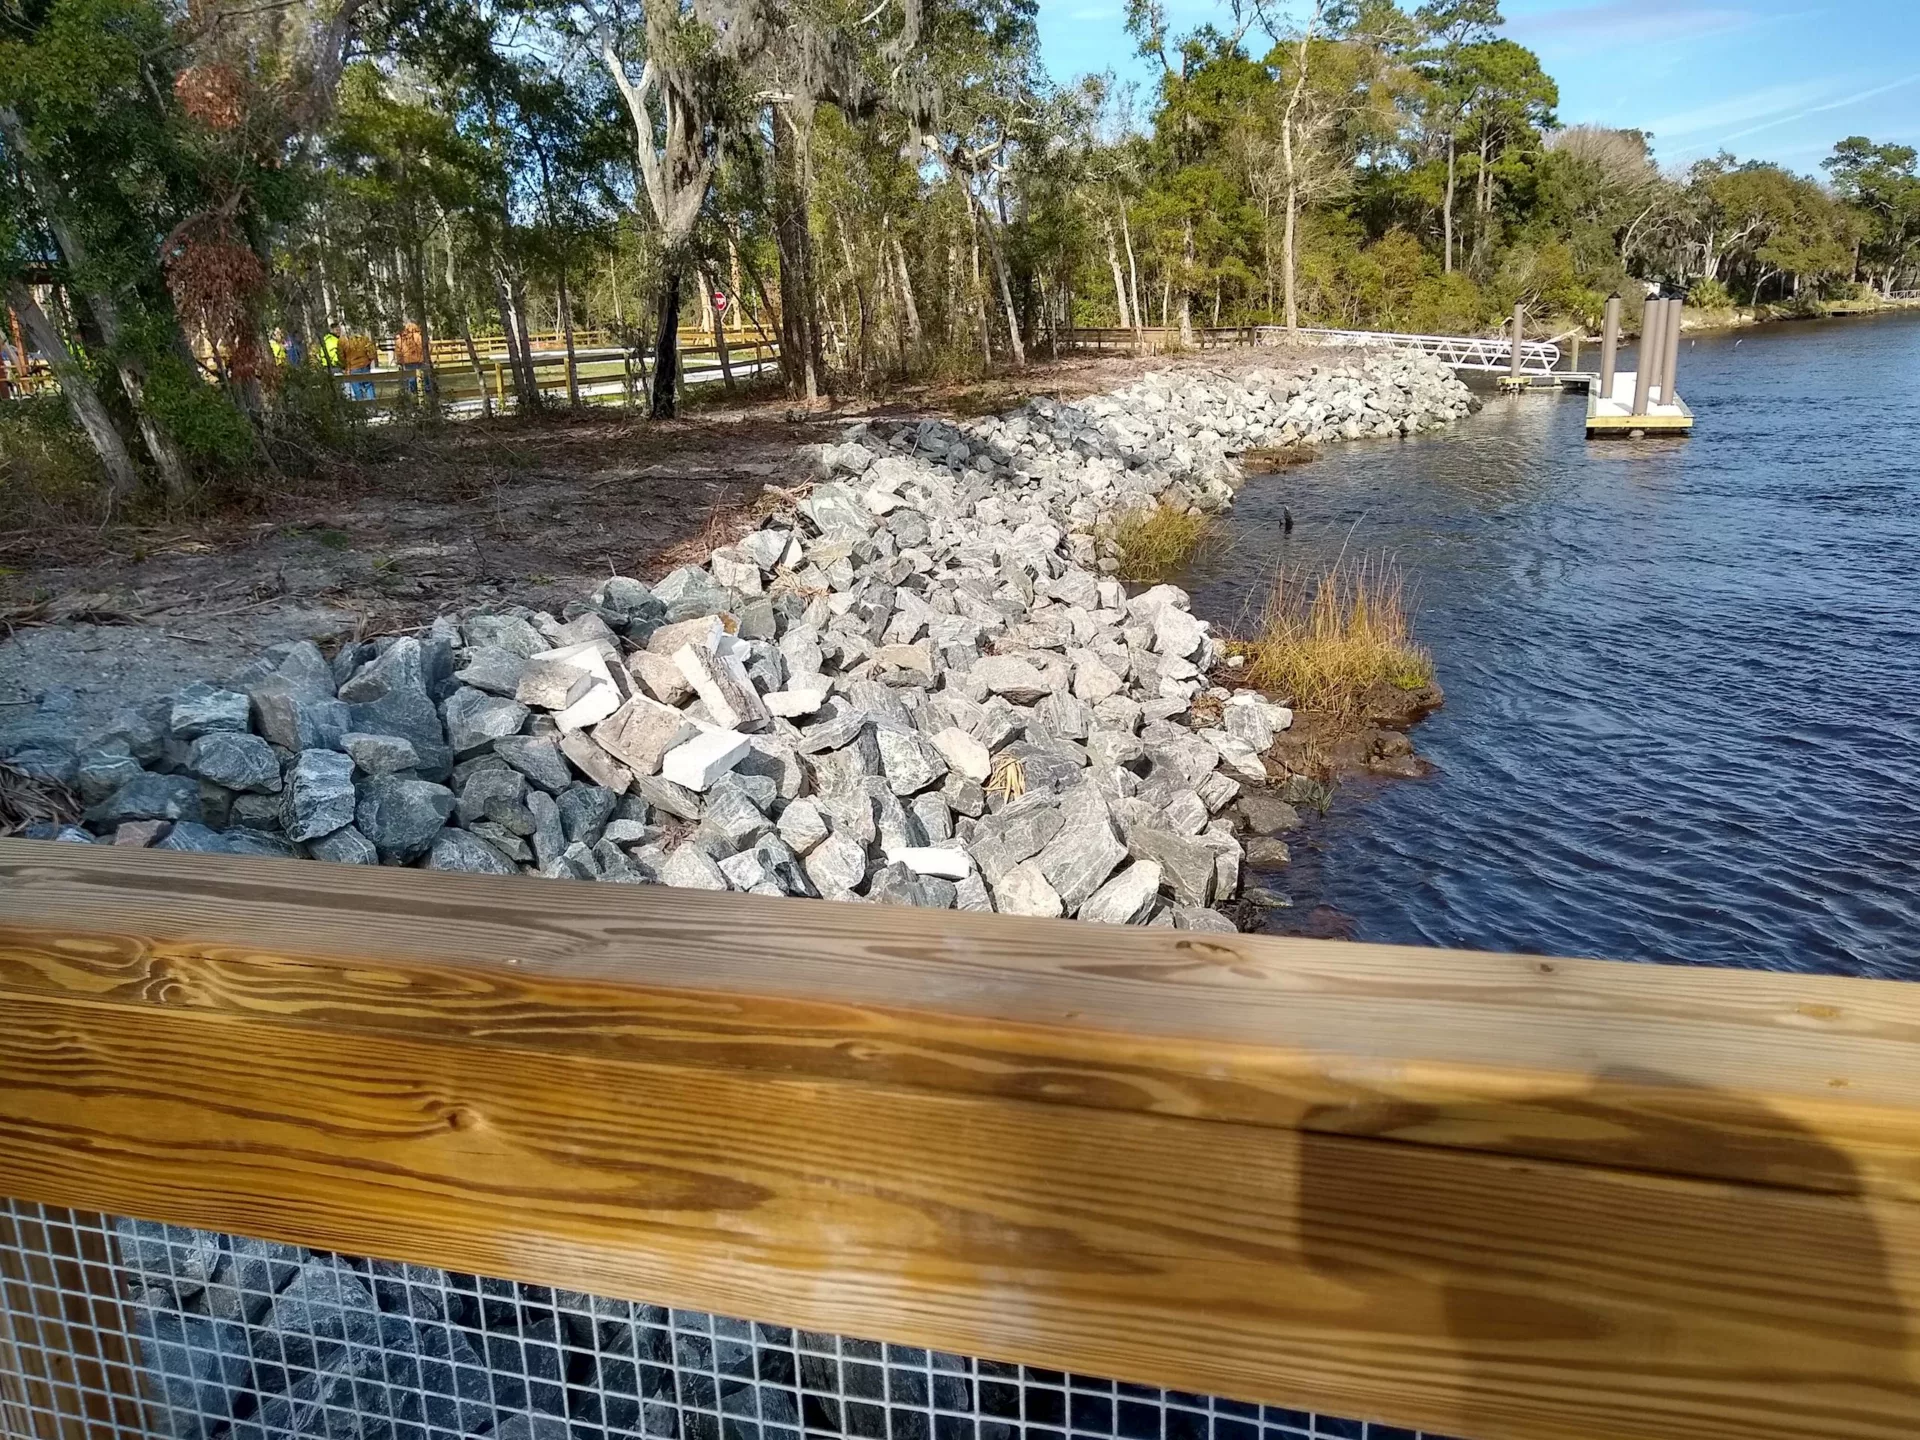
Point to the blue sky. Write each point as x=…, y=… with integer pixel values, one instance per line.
x=1768, y=79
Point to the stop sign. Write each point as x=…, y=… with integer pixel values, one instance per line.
x=720, y=301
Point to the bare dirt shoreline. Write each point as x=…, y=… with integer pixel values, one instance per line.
x=476, y=513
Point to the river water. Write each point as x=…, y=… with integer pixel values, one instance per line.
x=1681, y=675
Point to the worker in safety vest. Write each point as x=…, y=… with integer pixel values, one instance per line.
x=330, y=349
x=410, y=352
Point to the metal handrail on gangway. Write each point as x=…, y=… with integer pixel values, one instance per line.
x=1462, y=352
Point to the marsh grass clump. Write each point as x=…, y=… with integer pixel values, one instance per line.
x=1156, y=543
x=1327, y=642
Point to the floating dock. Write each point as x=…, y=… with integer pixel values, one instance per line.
x=1612, y=415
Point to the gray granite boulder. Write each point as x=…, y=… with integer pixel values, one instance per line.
x=319, y=796
x=400, y=816
x=237, y=761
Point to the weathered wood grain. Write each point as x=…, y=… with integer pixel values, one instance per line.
x=1471, y=1294
x=1685, y=1071
x=1509, y=1198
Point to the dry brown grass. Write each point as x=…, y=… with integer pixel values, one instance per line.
x=1325, y=642
x=24, y=800
x=1156, y=544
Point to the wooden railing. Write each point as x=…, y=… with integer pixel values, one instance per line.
x=603, y=379
x=494, y=346
x=1492, y=1195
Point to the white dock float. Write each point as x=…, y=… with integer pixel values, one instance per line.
x=1612, y=414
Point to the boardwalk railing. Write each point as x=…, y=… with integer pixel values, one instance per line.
x=1462, y=352
x=601, y=377
x=604, y=372
x=1489, y=1195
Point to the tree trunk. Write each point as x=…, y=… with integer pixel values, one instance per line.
x=1119, y=281
x=666, y=345
x=980, y=289
x=1446, y=210
x=906, y=296
x=862, y=300
x=1006, y=291
x=800, y=349
x=167, y=459
x=518, y=293
x=123, y=478
x=565, y=309
x=1186, y=288
x=479, y=375
x=733, y=282
x=1482, y=199
x=1289, y=260
x=523, y=398
x=719, y=332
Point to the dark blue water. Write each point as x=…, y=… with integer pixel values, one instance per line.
x=1682, y=676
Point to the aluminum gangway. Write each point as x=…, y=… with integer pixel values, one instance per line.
x=1462, y=352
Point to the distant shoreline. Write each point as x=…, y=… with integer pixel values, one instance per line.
x=1746, y=315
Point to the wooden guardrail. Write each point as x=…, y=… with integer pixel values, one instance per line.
x=455, y=382
x=1503, y=1197
x=494, y=346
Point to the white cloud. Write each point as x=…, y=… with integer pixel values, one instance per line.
x=1601, y=25
x=1739, y=109
x=1842, y=102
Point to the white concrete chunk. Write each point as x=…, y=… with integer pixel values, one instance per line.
x=949, y=862
x=963, y=753
x=702, y=760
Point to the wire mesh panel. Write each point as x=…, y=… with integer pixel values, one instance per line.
x=113, y=1326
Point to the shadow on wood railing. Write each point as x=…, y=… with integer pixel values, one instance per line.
x=1492, y=1195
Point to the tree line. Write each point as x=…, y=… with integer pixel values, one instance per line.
x=193, y=191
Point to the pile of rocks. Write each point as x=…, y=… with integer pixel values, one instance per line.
x=1195, y=422
x=917, y=682
x=253, y=1337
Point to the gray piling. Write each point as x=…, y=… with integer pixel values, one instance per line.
x=1657, y=390
x=1647, y=359
x=1609, y=346
x=1669, y=383
x=1513, y=367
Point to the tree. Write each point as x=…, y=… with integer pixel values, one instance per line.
x=1336, y=88
x=1453, y=30
x=1207, y=85
x=1880, y=182
x=1511, y=102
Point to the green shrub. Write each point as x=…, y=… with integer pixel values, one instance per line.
x=204, y=423
x=45, y=461
x=1707, y=293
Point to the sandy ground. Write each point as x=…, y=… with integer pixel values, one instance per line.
x=466, y=515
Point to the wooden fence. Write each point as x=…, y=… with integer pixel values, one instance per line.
x=1156, y=339
x=494, y=346
x=1498, y=1196
x=603, y=378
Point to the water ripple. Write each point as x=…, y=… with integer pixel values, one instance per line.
x=1681, y=676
